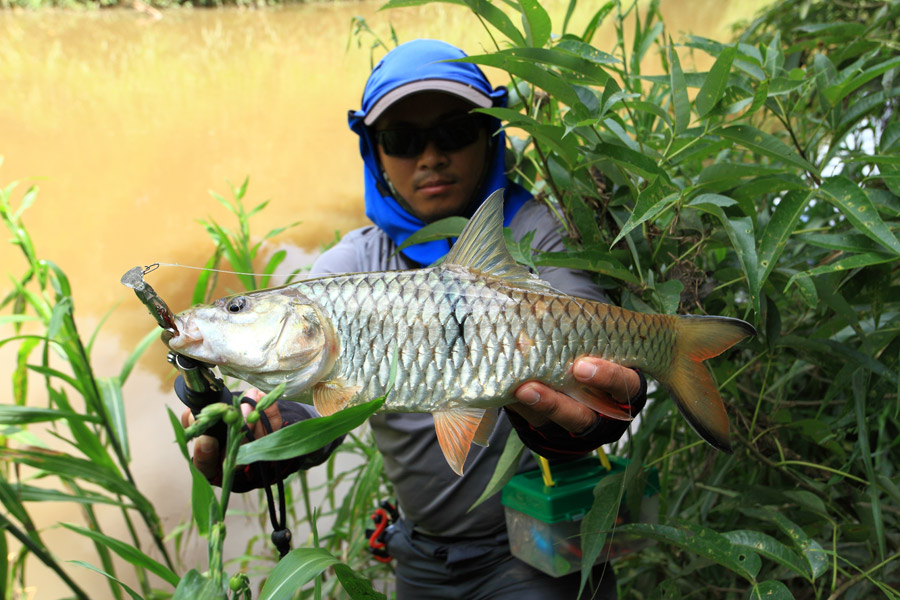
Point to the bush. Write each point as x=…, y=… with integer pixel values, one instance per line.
x=766, y=189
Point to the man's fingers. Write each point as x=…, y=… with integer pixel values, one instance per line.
x=621, y=383
x=186, y=418
x=206, y=457
x=539, y=403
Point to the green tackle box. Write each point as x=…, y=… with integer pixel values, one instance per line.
x=544, y=521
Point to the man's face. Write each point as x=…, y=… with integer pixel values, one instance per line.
x=434, y=183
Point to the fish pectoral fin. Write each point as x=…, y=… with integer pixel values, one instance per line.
x=601, y=403
x=456, y=429
x=331, y=396
x=486, y=427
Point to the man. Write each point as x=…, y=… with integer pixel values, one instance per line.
x=428, y=156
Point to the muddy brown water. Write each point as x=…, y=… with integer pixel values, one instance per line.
x=125, y=123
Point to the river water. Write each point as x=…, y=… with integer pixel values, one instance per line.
x=126, y=123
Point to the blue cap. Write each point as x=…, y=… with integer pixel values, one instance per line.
x=419, y=66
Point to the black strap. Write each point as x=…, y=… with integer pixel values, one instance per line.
x=281, y=535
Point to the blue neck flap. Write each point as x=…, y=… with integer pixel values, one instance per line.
x=416, y=61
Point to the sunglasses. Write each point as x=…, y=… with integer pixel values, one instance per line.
x=449, y=136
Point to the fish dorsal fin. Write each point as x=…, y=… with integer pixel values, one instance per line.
x=456, y=429
x=481, y=247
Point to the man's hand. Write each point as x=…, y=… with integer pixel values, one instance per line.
x=208, y=456
x=538, y=403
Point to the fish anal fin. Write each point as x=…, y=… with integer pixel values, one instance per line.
x=601, y=403
x=456, y=429
x=331, y=396
x=486, y=427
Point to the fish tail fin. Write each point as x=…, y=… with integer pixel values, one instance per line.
x=688, y=380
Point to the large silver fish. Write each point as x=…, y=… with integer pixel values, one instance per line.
x=465, y=334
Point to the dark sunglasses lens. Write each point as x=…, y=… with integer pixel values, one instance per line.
x=449, y=137
x=457, y=134
x=401, y=142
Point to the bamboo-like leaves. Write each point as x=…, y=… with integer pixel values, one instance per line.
x=860, y=211
x=306, y=436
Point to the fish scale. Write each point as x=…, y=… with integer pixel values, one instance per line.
x=471, y=328
x=465, y=334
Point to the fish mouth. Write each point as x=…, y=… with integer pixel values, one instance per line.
x=184, y=335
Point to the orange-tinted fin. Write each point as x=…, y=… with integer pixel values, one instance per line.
x=331, y=396
x=486, y=427
x=689, y=382
x=602, y=404
x=456, y=429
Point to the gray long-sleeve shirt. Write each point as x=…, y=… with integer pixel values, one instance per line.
x=431, y=496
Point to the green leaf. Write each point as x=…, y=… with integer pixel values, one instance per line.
x=774, y=237
x=294, y=570
x=536, y=21
x=806, y=288
x=306, y=436
x=770, y=590
x=765, y=144
x=136, y=354
x=835, y=93
x=681, y=104
x=651, y=202
x=194, y=586
x=772, y=549
x=704, y=542
x=356, y=586
x=22, y=415
x=493, y=15
x=505, y=469
x=203, y=499
x=450, y=227
x=599, y=521
x=597, y=261
x=716, y=81
x=128, y=552
x=586, y=71
x=810, y=549
x=130, y=591
x=740, y=233
x=533, y=73
x=69, y=466
x=631, y=160
x=669, y=295
x=855, y=261
x=113, y=403
x=859, y=210
x=712, y=200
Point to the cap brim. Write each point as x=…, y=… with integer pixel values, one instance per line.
x=456, y=88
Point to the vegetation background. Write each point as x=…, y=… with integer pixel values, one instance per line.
x=766, y=188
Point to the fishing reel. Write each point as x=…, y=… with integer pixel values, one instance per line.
x=198, y=387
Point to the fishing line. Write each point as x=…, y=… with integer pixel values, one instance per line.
x=154, y=266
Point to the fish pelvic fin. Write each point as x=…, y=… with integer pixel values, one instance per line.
x=456, y=429
x=331, y=396
x=688, y=380
x=481, y=247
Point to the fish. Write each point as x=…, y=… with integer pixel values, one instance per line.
x=455, y=340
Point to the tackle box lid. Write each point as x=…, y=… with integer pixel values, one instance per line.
x=573, y=494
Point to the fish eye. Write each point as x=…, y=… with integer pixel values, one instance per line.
x=236, y=305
